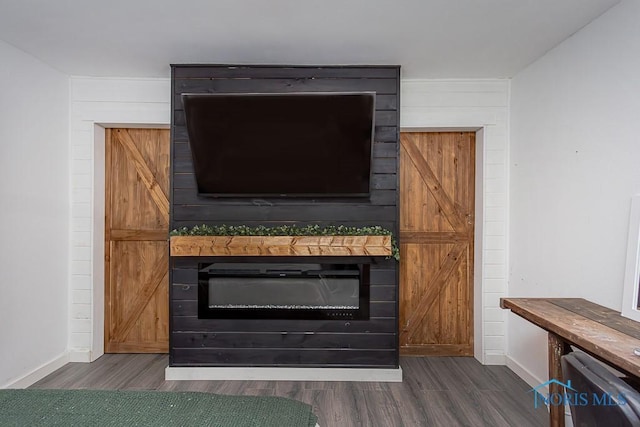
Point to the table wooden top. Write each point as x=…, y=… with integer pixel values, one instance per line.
x=598, y=330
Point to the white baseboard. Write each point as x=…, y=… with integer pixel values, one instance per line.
x=80, y=355
x=283, y=374
x=524, y=373
x=40, y=372
x=494, y=359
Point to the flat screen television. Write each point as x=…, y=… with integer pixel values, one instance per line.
x=301, y=144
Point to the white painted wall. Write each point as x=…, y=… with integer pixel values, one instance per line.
x=483, y=105
x=34, y=190
x=575, y=163
x=98, y=103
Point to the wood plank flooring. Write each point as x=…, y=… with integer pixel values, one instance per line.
x=436, y=391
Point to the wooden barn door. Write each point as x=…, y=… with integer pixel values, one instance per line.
x=436, y=233
x=136, y=248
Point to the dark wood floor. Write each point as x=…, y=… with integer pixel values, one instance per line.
x=436, y=391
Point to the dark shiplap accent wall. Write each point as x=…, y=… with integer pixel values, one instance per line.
x=355, y=343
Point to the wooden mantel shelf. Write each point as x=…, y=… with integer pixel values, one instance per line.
x=184, y=246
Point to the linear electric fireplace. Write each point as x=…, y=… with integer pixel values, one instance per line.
x=246, y=290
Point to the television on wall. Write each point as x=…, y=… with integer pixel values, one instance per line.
x=301, y=144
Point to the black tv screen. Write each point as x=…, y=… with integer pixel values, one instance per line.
x=311, y=144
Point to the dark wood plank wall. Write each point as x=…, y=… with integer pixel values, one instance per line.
x=213, y=342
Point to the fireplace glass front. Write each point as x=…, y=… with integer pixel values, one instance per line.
x=246, y=290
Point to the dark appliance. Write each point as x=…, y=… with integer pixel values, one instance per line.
x=247, y=290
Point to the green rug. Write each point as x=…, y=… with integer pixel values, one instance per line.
x=35, y=407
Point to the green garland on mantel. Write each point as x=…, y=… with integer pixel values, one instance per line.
x=288, y=230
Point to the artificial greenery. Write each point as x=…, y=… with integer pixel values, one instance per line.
x=287, y=230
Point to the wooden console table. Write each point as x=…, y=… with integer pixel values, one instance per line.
x=597, y=330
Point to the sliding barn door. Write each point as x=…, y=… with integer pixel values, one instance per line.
x=436, y=234
x=136, y=252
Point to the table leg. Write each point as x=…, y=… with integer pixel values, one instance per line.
x=557, y=348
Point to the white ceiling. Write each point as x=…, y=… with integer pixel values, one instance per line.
x=429, y=38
